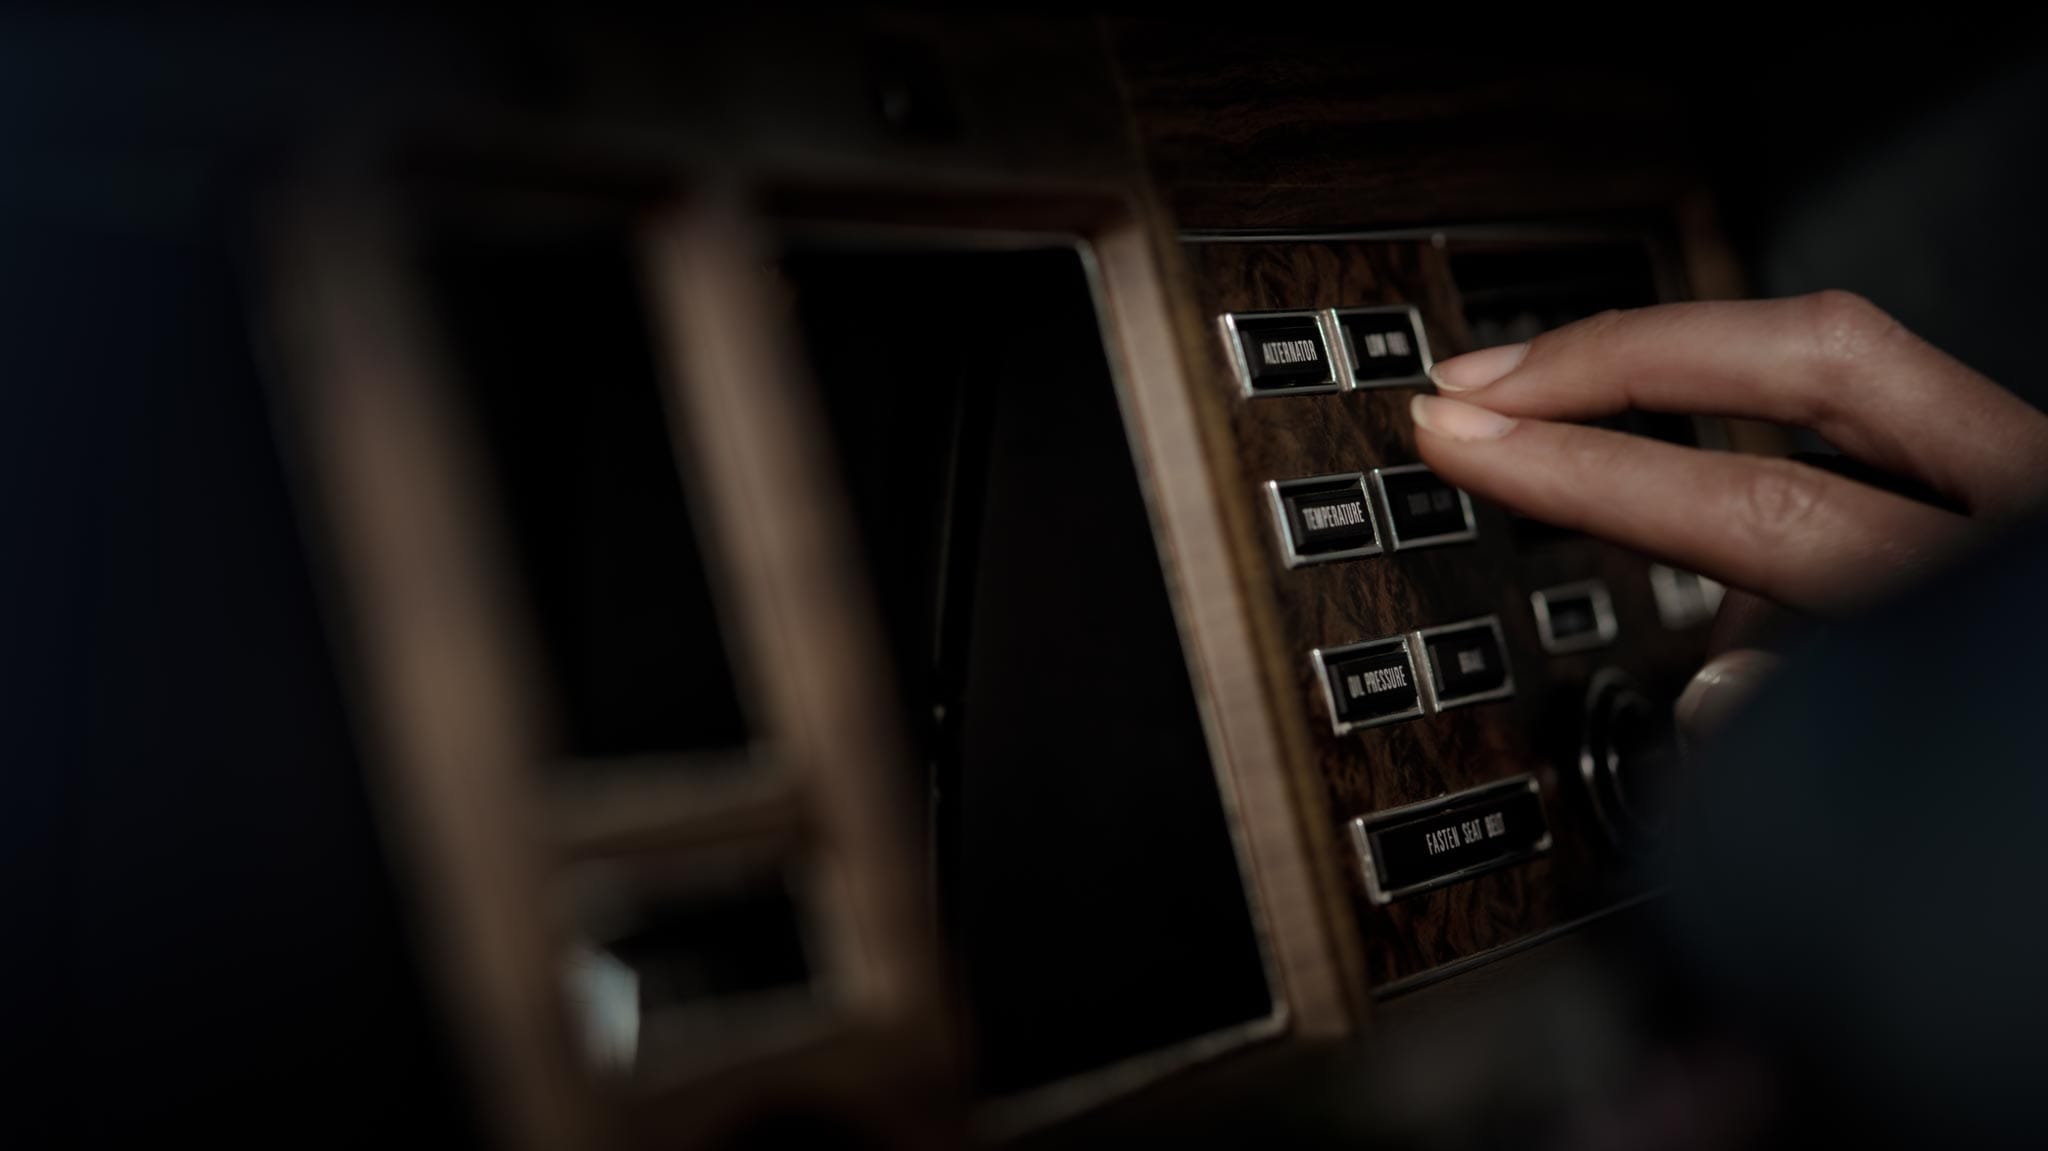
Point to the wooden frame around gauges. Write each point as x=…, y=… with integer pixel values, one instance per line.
x=496, y=849
x=444, y=668
x=439, y=672
x=1141, y=309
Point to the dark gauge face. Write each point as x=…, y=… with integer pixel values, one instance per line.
x=1082, y=864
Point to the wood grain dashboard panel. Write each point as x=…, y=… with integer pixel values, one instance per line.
x=1265, y=125
x=1536, y=731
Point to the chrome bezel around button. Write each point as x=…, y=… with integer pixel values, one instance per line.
x=1428, y=681
x=1240, y=364
x=1677, y=610
x=1394, y=540
x=1321, y=658
x=1362, y=826
x=1276, y=500
x=1604, y=627
x=1419, y=379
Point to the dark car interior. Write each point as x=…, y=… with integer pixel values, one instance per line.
x=844, y=578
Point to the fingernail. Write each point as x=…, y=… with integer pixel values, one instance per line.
x=1475, y=370
x=1719, y=689
x=1458, y=419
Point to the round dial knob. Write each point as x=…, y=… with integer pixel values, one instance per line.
x=1628, y=757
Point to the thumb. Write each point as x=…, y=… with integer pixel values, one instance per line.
x=1722, y=686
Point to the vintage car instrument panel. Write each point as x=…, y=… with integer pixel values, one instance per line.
x=807, y=707
x=1477, y=689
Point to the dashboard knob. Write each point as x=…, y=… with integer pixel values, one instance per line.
x=1628, y=758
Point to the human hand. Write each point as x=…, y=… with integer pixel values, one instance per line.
x=1794, y=534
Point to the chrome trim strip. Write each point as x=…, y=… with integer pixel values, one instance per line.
x=1513, y=947
x=1009, y=1116
x=1437, y=237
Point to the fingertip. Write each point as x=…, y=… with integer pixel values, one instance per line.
x=1458, y=420
x=1722, y=686
x=1475, y=370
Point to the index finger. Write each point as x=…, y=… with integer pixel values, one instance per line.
x=1831, y=362
x=1799, y=535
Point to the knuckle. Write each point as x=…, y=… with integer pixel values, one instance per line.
x=1781, y=501
x=1584, y=348
x=1603, y=321
x=1580, y=332
x=1845, y=328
